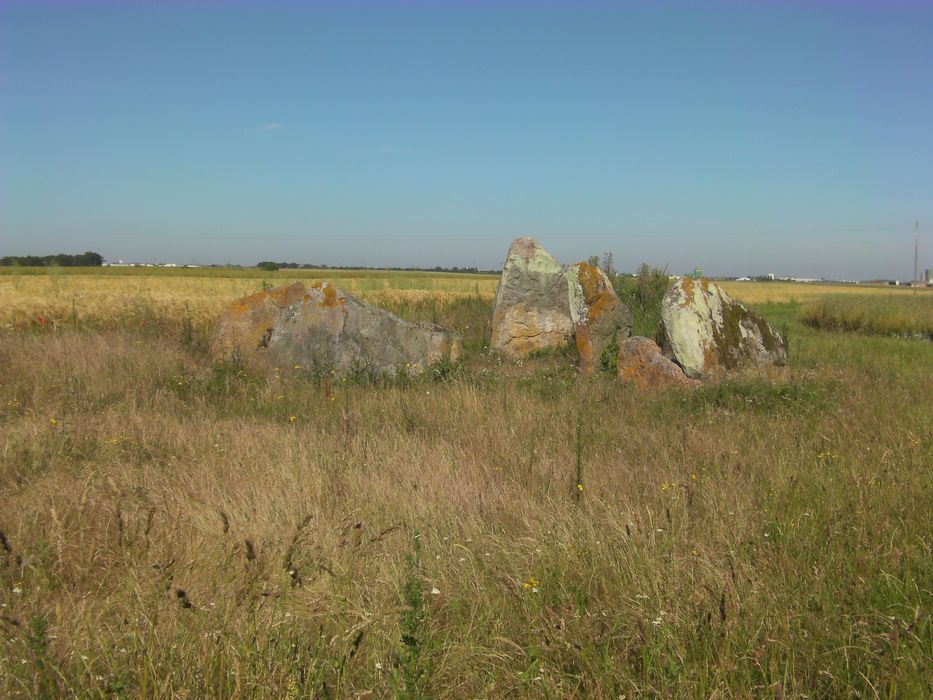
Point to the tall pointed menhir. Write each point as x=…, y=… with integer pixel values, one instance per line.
x=532, y=307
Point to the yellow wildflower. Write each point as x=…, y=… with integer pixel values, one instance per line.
x=531, y=584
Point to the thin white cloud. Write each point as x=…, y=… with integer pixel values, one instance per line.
x=270, y=127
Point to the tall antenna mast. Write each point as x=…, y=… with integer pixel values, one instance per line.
x=916, y=250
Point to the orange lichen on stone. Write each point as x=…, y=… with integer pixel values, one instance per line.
x=295, y=327
x=245, y=329
x=597, y=312
x=710, y=334
x=330, y=296
x=279, y=297
x=595, y=294
x=523, y=331
x=641, y=363
x=585, y=349
x=590, y=281
x=687, y=286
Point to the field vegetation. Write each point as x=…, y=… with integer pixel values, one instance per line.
x=176, y=527
x=800, y=292
x=171, y=297
x=897, y=316
x=642, y=293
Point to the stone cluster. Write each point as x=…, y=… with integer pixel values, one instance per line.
x=704, y=333
x=540, y=305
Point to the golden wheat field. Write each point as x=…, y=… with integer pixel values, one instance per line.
x=784, y=292
x=116, y=294
x=103, y=297
x=172, y=527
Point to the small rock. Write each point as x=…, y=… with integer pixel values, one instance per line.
x=640, y=362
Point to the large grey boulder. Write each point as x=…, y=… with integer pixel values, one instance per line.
x=599, y=316
x=244, y=330
x=324, y=327
x=532, y=307
x=707, y=332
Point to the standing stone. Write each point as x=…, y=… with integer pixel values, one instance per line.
x=325, y=328
x=532, y=309
x=707, y=332
x=599, y=316
x=641, y=363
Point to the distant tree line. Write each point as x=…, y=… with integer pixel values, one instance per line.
x=88, y=259
x=270, y=266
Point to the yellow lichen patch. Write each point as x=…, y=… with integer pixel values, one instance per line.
x=245, y=304
x=279, y=297
x=246, y=328
x=585, y=349
x=686, y=284
x=330, y=296
x=595, y=293
x=590, y=281
x=599, y=314
x=519, y=331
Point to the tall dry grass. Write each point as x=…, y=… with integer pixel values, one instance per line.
x=172, y=528
x=901, y=315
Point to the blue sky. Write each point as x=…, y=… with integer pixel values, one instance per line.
x=784, y=137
